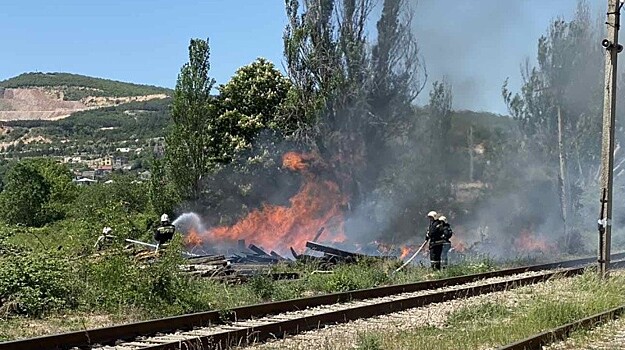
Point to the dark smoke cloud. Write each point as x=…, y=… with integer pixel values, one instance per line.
x=477, y=44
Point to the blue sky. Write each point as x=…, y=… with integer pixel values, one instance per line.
x=475, y=43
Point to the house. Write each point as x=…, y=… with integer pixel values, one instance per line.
x=103, y=170
x=85, y=181
x=106, y=161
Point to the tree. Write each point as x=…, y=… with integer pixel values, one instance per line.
x=25, y=194
x=63, y=191
x=440, y=118
x=250, y=119
x=192, y=145
x=162, y=194
x=257, y=91
x=349, y=100
x=561, y=96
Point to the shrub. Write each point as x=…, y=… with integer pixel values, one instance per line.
x=25, y=193
x=158, y=288
x=36, y=283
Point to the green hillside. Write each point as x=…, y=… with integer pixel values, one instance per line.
x=77, y=86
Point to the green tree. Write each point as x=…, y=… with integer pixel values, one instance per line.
x=122, y=204
x=348, y=99
x=63, y=191
x=193, y=144
x=250, y=120
x=25, y=195
x=256, y=91
x=162, y=195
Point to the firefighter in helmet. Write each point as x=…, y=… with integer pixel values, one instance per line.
x=447, y=233
x=435, y=237
x=164, y=232
x=105, y=239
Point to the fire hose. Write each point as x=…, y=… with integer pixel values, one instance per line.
x=412, y=257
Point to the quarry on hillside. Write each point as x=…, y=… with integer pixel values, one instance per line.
x=49, y=104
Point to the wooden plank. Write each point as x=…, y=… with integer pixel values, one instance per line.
x=276, y=255
x=329, y=250
x=257, y=250
x=206, y=259
x=295, y=255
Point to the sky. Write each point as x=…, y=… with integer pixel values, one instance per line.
x=474, y=44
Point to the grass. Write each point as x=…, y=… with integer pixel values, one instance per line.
x=115, y=287
x=64, y=279
x=491, y=324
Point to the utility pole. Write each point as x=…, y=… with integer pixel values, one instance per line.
x=607, y=144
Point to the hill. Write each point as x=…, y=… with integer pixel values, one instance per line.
x=52, y=96
x=132, y=126
x=77, y=87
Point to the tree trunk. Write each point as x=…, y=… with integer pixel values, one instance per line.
x=563, y=179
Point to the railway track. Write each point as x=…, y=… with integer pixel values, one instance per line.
x=537, y=341
x=255, y=323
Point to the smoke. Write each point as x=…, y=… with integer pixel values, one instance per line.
x=477, y=45
x=189, y=221
x=476, y=48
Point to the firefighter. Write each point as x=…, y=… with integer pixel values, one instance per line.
x=447, y=233
x=105, y=239
x=435, y=237
x=164, y=232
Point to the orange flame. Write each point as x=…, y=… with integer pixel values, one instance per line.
x=319, y=203
x=192, y=238
x=405, y=250
x=294, y=161
x=527, y=242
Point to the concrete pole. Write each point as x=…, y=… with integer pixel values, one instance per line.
x=607, y=145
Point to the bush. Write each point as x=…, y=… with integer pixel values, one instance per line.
x=158, y=288
x=25, y=193
x=350, y=277
x=36, y=283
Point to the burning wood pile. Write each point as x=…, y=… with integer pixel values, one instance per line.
x=331, y=256
x=210, y=266
x=223, y=269
x=255, y=254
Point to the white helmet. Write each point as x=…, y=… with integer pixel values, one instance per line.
x=107, y=230
x=443, y=218
x=164, y=217
x=432, y=214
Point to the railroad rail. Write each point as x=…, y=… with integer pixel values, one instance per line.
x=537, y=341
x=254, y=323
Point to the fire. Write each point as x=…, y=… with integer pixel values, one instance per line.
x=294, y=161
x=192, y=238
x=527, y=242
x=319, y=203
x=405, y=250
